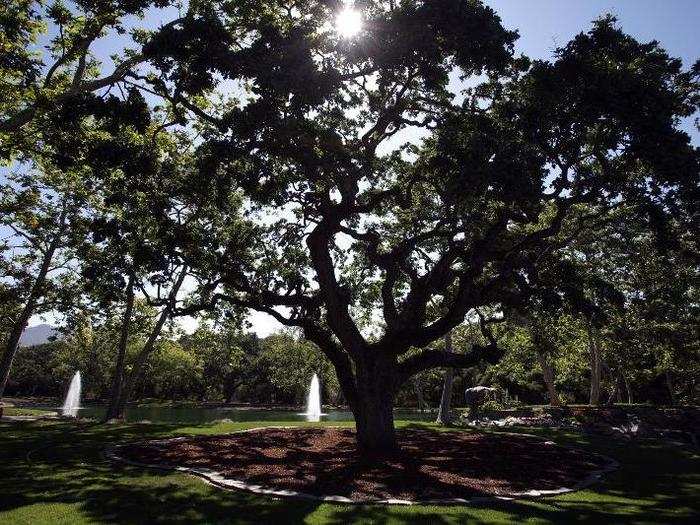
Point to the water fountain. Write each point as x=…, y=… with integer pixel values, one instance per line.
x=72, y=402
x=313, y=402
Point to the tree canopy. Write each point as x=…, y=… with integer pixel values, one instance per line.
x=380, y=207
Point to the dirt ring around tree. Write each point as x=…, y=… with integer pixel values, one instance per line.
x=322, y=463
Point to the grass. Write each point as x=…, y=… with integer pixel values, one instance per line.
x=20, y=411
x=54, y=472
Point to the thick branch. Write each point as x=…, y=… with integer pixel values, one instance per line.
x=26, y=115
x=335, y=300
x=324, y=340
x=440, y=359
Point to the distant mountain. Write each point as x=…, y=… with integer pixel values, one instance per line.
x=37, y=335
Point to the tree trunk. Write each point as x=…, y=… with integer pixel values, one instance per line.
x=615, y=393
x=606, y=370
x=230, y=392
x=374, y=421
x=548, y=375
x=543, y=347
x=669, y=385
x=118, y=378
x=141, y=358
x=370, y=376
x=628, y=388
x=595, y=363
x=148, y=347
x=444, y=416
x=418, y=388
x=373, y=407
x=20, y=324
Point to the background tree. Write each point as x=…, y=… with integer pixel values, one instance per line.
x=444, y=415
x=541, y=337
x=42, y=218
x=659, y=285
x=229, y=358
x=150, y=231
x=46, y=59
x=111, y=140
x=287, y=363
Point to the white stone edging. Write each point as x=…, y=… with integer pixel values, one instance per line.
x=215, y=478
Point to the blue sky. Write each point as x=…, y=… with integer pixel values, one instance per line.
x=543, y=25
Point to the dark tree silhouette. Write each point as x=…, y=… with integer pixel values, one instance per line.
x=311, y=134
x=374, y=191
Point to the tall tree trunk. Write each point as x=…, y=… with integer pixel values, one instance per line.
x=628, y=388
x=669, y=385
x=543, y=347
x=12, y=344
x=548, y=375
x=444, y=416
x=595, y=364
x=614, y=393
x=418, y=388
x=130, y=382
x=149, y=346
x=118, y=378
x=373, y=407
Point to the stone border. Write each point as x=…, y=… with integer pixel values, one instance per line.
x=215, y=478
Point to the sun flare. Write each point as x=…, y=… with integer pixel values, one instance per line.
x=348, y=22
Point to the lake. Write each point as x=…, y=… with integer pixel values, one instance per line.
x=197, y=415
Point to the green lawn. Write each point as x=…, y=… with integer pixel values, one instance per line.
x=20, y=411
x=54, y=472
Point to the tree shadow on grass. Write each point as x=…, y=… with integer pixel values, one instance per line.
x=656, y=483
x=183, y=499
x=64, y=463
x=544, y=511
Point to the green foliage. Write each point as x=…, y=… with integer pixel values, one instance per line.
x=42, y=217
x=222, y=365
x=288, y=363
x=40, y=79
x=175, y=373
x=491, y=405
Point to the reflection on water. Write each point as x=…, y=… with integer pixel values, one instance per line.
x=195, y=415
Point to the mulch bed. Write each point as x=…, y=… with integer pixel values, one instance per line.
x=431, y=465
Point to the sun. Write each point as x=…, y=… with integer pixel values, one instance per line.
x=348, y=22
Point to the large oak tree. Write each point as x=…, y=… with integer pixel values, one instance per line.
x=309, y=126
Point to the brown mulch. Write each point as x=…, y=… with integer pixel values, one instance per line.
x=430, y=465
